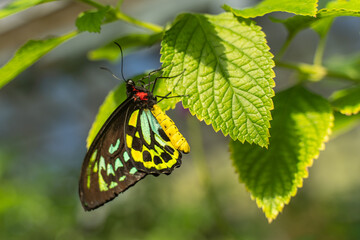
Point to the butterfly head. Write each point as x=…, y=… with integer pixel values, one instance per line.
x=142, y=96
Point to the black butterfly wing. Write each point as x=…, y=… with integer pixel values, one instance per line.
x=108, y=168
x=149, y=146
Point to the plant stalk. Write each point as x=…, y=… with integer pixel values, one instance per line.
x=118, y=15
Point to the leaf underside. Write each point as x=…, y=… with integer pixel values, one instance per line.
x=347, y=101
x=91, y=20
x=28, y=54
x=306, y=8
x=301, y=124
x=20, y=5
x=225, y=69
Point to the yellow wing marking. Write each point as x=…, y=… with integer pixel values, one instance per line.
x=138, y=157
x=133, y=118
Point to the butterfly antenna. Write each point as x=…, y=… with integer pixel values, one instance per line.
x=122, y=61
x=106, y=69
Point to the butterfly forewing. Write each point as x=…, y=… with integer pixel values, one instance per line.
x=108, y=168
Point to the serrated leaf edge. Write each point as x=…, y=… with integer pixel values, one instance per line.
x=299, y=178
x=271, y=83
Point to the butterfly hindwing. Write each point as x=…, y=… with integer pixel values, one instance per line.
x=148, y=144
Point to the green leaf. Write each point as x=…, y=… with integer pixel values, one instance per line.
x=91, y=20
x=227, y=73
x=111, y=52
x=349, y=5
x=322, y=22
x=347, y=101
x=344, y=123
x=295, y=24
x=345, y=66
x=118, y=95
x=306, y=8
x=28, y=54
x=320, y=25
x=20, y=5
x=301, y=124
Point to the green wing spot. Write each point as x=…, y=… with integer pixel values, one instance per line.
x=93, y=156
x=126, y=156
x=160, y=140
x=102, y=184
x=133, y=170
x=112, y=148
x=110, y=170
x=155, y=126
x=122, y=178
x=153, y=122
x=145, y=126
x=92, y=159
x=95, y=169
x=118, y=164
x=102, y=164
x=113, y=184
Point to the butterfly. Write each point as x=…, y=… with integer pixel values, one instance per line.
x=136, y=140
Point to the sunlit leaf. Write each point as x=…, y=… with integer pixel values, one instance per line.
x=301, y=124
x=344, y=123
x=348, y=5
x=226, y=72
x=28, y=54
x=323, y=19
x=91, y=20
x=347, y=101
x=347, y=66
x=306, y=8
x=20, y=5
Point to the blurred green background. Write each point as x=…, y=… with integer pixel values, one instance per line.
x=46, y=112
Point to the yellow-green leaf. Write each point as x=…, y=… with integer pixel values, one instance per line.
x=347, y=101
x=301, y=124
x=28, y=54
x=20, y=5
x=305, y=8
x=225, y=69
x=91, y=20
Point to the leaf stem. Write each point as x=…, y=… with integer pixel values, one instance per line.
x=319, y=53
x=283, y=48
x=118, y=15
x=153, y=27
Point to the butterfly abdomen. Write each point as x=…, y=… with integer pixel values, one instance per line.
x=176, y=138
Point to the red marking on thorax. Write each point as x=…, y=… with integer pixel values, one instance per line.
x=142, y=95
